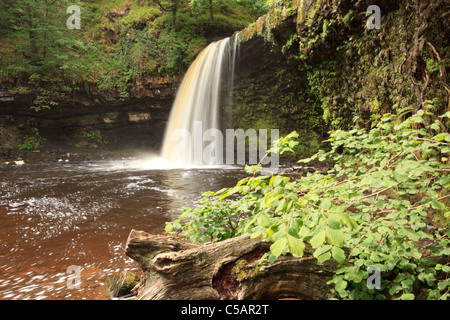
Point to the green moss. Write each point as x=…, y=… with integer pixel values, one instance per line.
x=364, y=73
x=140, y=16
x=243, y=271
x=275, y=104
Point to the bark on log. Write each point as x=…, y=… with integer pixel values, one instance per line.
x=230, y=269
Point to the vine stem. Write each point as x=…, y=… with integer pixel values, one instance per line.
x=369, y=195
x=413, y=208
x=441, y=297
x=430, y=244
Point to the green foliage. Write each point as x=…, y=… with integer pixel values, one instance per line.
x=139, y=16
x=96, y=137
x=292, y=39
x=211, y=7
x=40, y=51
x=31, y=140
x=354, y=73
x=215, y=220
x=30, y=143
x=120, y=43
x=371, y=209
x=283, y=107
x=173, y=49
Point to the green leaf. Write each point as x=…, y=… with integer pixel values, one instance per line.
x=282, y=206
x=442, y=285
x=325, y=204
x=400, y=177
x=340, y=285
x=278, y=247
x=276, y=181
x=411, y=234
x=324, y=257
x=349, y=221
x=335, y=237
x=318, y=239
x=437, y=205
x=313, y=196
x=407, y=296
x=169, y=227
x=338, y=254
x=353, y=276
x=367, y=180
x=333, y=221
x=294, y=227
x=279, y=232
x=253, y=169
x=229, y=192
x=394, y=289
x=296, y=246
x=278, y=190
x=263, y=220
x=241, y=182
x=248, y=169
x=381, y=204
x=304, y=231
x=321, y=250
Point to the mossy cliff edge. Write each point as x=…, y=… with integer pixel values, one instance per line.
x=109, y=83
x=307, y=65
x=313, y=66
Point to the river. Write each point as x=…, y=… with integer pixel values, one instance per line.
x=57, y=215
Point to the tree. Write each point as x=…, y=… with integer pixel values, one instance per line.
x=46, y=51
x=171, y=6
x=200, y=5
x=225, y=270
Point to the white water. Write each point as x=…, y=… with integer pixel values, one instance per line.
x=205, y=88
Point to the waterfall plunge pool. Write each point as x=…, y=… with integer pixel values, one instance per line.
x=57, y=215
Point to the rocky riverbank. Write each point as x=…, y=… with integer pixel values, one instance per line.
x=21, y=157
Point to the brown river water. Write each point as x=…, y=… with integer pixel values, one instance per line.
x=57, y=215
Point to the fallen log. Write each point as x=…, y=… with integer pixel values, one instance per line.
x=232, y=269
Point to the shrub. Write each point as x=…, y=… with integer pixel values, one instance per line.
x=383, y=204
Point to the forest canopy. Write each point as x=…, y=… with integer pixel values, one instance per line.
x=119, y=42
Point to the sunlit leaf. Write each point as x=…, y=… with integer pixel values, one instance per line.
x=278, y=247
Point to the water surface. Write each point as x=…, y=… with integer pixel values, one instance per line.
x=57, y=215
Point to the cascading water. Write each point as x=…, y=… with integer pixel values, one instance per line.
x=205, y=89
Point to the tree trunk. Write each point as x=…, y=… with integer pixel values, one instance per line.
x=174, y=16
x=211, y=10
x=32, y=33
x=230, y=269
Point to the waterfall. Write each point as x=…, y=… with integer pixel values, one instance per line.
x=199, y=105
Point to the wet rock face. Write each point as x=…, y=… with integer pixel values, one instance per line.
x=139, y=125
x=92, y=120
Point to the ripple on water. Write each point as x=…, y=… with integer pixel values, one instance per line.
x=58, y=215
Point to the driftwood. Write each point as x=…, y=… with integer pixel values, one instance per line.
x=230, y=269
